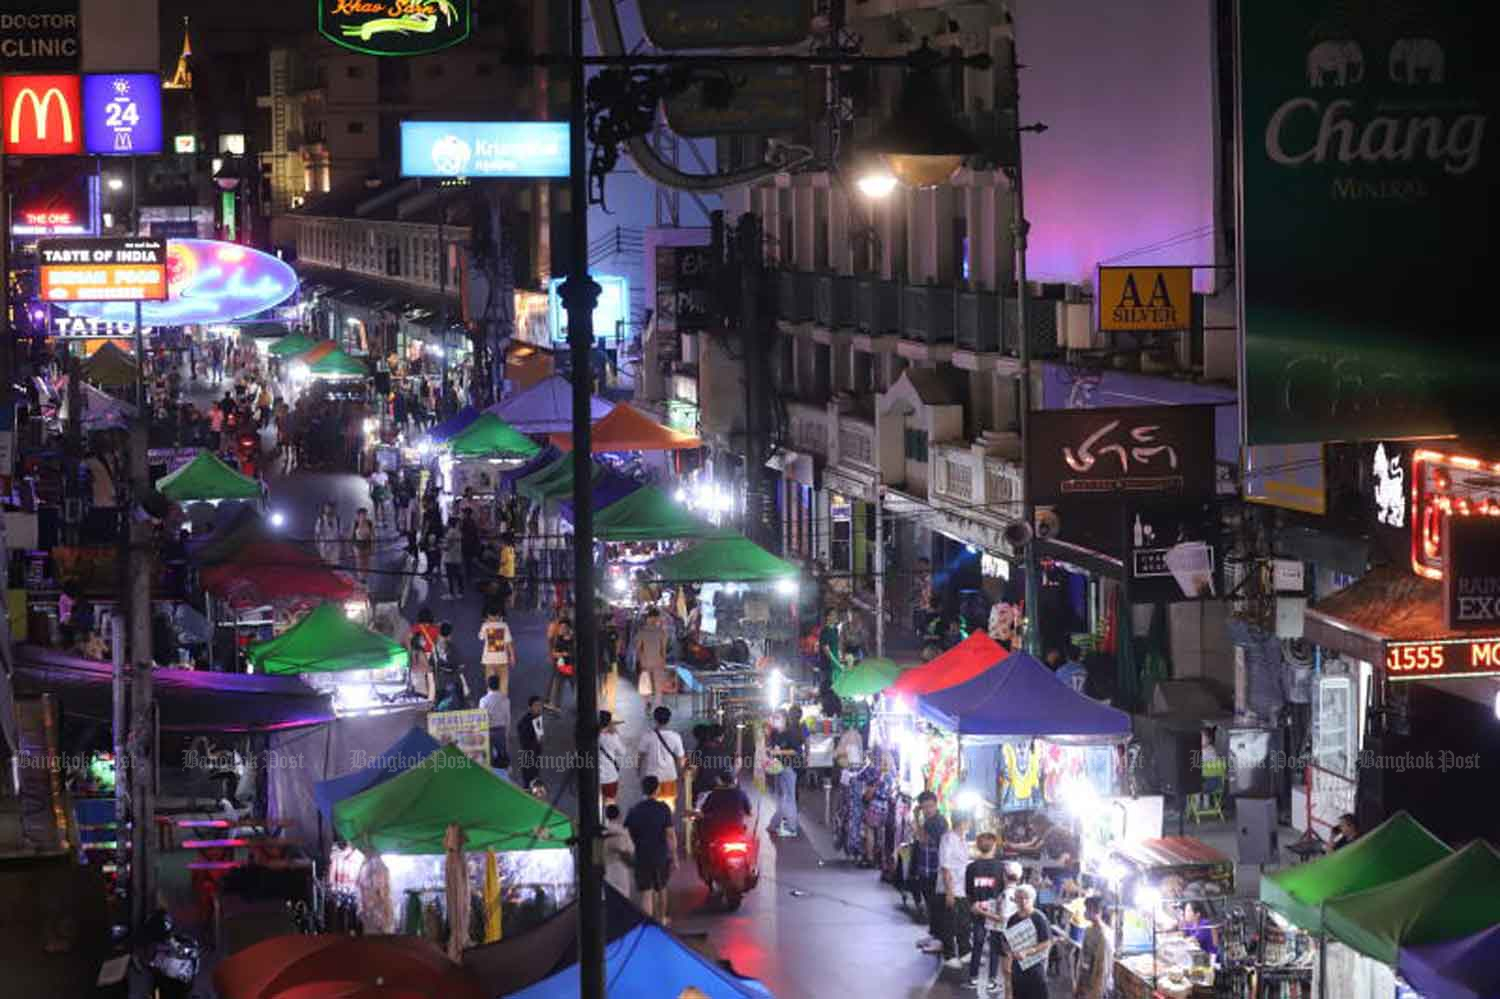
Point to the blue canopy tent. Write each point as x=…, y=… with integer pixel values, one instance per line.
x=1466, y=968
x=650, y=961
x=1021, y=697
x=509, y=478
x=609, y=488
x=450, y=427
x=409, y=750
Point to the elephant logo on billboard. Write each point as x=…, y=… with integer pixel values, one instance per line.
x=1343, y=61
x=1414, y=60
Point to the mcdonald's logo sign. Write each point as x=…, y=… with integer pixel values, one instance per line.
x=41, y=115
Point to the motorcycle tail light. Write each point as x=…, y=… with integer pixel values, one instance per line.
x=735, y=846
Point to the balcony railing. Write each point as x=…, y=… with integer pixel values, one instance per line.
x=794, y=291
x=927, y=313
x=856, y=441
x=877, y=306
x=808, y=426
x=833, y=300
x=979, y=321
x=976, y=483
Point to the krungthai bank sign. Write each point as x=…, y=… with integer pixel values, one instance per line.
x=41, y=115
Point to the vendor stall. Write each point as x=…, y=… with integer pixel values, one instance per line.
x=1171, y=895
x=648, y=514
x=626, y=428
x=362, y=669
x=111, y=367
x=206, y=479
x=291, y=345
x=651, y=961
x=961, y=663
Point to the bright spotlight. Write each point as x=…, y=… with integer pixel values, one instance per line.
x=278, y=519
x=786, y=587
x=877, y=184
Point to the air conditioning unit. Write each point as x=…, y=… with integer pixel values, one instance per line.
x=1075, y=329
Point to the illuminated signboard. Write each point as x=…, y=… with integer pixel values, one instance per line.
x=610, y=314
x=1444, y=484
x=1144, y=299
x=53, y=197
x=41, y=115
x=122, y=114
x=394, y=27
x=208, y=282
x=39, y=35
x=1471, y=573
x=184, y=143
x=484, y=149
x=123, y=269
x=1457, y=657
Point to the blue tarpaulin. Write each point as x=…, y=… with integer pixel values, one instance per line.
x=453, y=424
x=1466, y=968
x=609, y=487
x=409, y=750
x=547, y=456
x=649, y=961
x=1020, y=696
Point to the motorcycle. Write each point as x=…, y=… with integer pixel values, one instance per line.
x=171, y=959
x=727, y=863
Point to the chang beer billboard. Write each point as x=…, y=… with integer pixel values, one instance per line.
x=1366, y=161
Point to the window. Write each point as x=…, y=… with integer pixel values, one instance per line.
x=356, y=127
x=916, y=444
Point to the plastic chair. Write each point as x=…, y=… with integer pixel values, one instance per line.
x=1209, y=803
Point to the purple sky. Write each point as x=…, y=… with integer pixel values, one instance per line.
x=1127, y=160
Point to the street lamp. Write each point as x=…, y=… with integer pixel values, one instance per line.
x=876, y=183
x=922, y=143
x=115, y=184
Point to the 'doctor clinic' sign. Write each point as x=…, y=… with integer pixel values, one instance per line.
x=1368, y=163
x=484, y=149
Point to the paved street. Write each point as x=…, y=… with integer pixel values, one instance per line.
x=815, y=926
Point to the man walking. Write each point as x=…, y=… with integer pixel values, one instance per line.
x=930, y=827
x=660, y=757
x=651, y=655
x=984, y=879
x=649, y=823
x=498, y=648
x=531, y=733
x=496, y=707
x=1095, y=969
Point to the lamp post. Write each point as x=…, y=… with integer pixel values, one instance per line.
x=619, y=104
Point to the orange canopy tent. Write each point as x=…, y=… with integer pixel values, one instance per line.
x=626, y=428
x=962, y=663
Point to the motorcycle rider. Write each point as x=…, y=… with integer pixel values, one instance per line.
x=722, y=812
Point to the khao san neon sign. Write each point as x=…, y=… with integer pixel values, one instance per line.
x=394, y=27
x=208, y=282
x=1445, y=484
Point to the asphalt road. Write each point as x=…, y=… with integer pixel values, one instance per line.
x=815, y=926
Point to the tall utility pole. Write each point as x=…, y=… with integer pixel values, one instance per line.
x=1019, y=227
x=580, y=293
x=753, y=349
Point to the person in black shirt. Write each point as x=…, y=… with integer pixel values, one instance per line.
x=927, y=871
x=984, y=879
x=529, y=730
x=649, y=823
x=1030, y=983
x=724, y=809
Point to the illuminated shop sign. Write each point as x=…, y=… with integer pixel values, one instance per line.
x=39, y=35
x=53, y=202
x=1444, y=484
x=208, y=282
x=1471, y=575
x=484, y=149
x=394, y=27
x=122, y=114
x=40, y=115
x=610, y=313
x=1459, y=657
x=1145, y=299
x=128, y=269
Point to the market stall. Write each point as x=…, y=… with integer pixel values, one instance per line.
x=961, y=663
x=429, y=836
x=626, y=428
x=207, y=479
x=291, y=345
x=1450, y=899
x=408, y=751
x=1465, y=968
x=546, y=407
x=111, y=367
x=477, y=454
x=335, y=365
x=331, y=964
x=1171, y=895
x=453, y=425
x=649, y=514
x=360, y=668
x=651, y=961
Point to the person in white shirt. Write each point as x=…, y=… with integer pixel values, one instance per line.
x=953, y=863
x=497, y=649
x=611, y=756
x=496, y=706
x=660, y=755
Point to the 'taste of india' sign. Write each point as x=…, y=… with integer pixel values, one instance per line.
x=129, y=269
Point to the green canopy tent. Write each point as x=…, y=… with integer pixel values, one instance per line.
x=1397, y=847
x=110, y=366
x=648, y=514
x=723, y=560
x=206, y=478
x=325, y=641
x=866, y=678
x=337, y=364
x=491, y=437
x=291, y=345
x=1454, y=897
x=409, y=813
x=552, y=481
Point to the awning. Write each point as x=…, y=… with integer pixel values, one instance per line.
x=648, y=514
x=337, y=364
x=723, y=560
x=207, y=478
x=189, y=700
x=493, y=438
x=325, y=641
x=1387, y=605
x=959, y=664
x=1020, y=697
x=546, y=407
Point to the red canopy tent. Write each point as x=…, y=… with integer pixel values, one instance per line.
x=962, y=663
x=272, y=571
x=626, y=428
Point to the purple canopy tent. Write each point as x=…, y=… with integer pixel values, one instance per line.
x=609, y=488
x=1020, y=696
x=1466, y=968
x=546, y=407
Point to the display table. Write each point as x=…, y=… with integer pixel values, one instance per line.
x=1133, y=981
